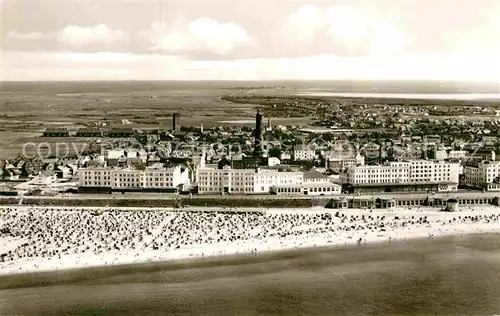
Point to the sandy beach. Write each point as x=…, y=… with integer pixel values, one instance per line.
x=35, y=239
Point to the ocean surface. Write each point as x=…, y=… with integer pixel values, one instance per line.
x=74, y=88
x=443, y=276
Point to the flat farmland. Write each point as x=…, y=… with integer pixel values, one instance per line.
x=27, y=109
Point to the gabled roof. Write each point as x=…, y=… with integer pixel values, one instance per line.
x=48, y=173
x=313, y=174
x=134, y=160
x=7, y=172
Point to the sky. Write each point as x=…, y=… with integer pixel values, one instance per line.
x=250, y=40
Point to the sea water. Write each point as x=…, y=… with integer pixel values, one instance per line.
x=442, y=276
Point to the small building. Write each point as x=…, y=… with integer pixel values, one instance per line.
x=199, y=129
x=385, y=203
x=73, y=168
x=321, y=188
x=10, y=174
x=31, y=167
x=56, y=132
x=45, y=178
x=314, y=176
x=286, y=157
x=89, y=132
x=63, y=172
x=303, y=154
x=250, y=162
x=121, y=132
x=338, y=203
x=121, y=156
x=273, y=161
x=451, y=205
x=287, y=189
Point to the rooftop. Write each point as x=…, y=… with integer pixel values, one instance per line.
x=121, y=129
x=56, y=129
x=313, y=174
x=320, y=185
x=356, y=185
x=89, y=129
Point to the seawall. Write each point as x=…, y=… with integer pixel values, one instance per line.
x=268, y=201
x=175, y=203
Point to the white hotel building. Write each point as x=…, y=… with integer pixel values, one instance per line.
x=408, y=175
x=226, y=180
x=484, y=175
x=340, y=160
x=155, y=178
x=263, y=181
x=243, y=181
x=313, y=183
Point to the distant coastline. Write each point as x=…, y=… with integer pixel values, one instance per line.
x=414, y=96
x=74, y=88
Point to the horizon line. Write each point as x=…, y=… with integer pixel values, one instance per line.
x=258, y=80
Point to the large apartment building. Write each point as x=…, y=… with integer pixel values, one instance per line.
x=483, y=175
x=129, y=178
x=414, y=175
x=303, y=155
x=243, y=181
x=225, y=180
x=338, y=160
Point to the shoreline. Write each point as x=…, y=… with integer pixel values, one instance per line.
x=241, y=255
x=95, y=274
x=268, y=245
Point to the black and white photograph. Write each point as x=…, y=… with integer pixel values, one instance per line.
x=250, y=157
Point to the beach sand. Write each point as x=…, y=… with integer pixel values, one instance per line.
x=35, y=239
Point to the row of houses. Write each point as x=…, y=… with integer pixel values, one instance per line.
x=89, y=132
x=24, y=170
x=403, y=176
x=247, y=176
x=415, y=175
x=258, y=175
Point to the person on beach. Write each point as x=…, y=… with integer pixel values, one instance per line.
x=41, y=233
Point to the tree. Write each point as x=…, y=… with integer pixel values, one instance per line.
x=274, y=152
